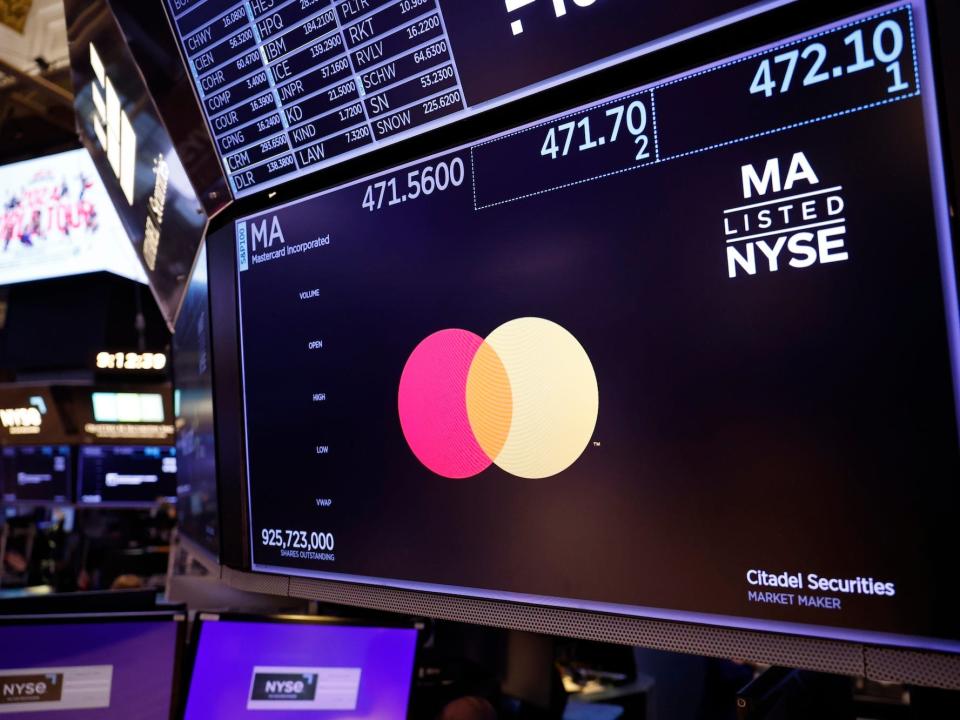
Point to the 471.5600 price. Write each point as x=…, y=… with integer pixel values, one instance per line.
x=418, y=183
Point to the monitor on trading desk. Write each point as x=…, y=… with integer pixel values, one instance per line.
x=90, y=666
x=128, y=475
x=35, y=473
x=298, y=666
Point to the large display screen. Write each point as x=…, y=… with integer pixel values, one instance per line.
x=35, y=473
x=193, y=407
x=689, y=352
x=291, y=86
x=56, y=219
x=297, y=670
x=88, y=669
x=126, y=475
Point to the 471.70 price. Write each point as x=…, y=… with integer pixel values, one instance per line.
x=297, y=540
x=622, y=121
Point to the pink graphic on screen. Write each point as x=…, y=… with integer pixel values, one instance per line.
x=433, y=407
x=524, y=398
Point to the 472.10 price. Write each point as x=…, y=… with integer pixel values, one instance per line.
x=885, y=44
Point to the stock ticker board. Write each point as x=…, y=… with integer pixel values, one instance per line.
x=292, y=86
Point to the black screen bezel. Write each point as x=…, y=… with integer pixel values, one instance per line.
x=723, y=42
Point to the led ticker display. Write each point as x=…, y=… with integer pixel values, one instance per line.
x=689, y=326
x=290, y=86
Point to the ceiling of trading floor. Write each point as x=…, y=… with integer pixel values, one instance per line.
x=36, y=97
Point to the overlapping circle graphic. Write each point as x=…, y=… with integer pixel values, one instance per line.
x=524, y=398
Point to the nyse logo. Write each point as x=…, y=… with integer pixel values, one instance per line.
x=18, y=689
x=264, y=235
x=112, y=127
x=284, y=686
x=800, y=226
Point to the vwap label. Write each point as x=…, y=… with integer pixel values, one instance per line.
x=33, y=688
x=304, y=688
x=788, y=219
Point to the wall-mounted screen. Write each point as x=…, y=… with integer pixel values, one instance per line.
x=689, y=352
x=126, y=475
x=56, y=219
x=300, y=667
x=123, y=407
x=35, y=473
x=289, y=87
x=197, y=515
x=89, y=667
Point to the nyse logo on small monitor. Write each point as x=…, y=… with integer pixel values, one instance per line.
x=20, y=689
x=283, y=686
x=304, y=688
x=788, y=219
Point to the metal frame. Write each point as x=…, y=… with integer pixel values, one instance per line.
x=833, y=656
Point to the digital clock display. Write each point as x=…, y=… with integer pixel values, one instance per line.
x=292, y=86
x=646, y=356
x=131, y=361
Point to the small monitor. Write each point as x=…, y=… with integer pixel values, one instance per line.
x=35, y=473
x=129, y=475
x=307, y=666
x=90, y=666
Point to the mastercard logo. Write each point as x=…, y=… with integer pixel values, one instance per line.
x=524, y=398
